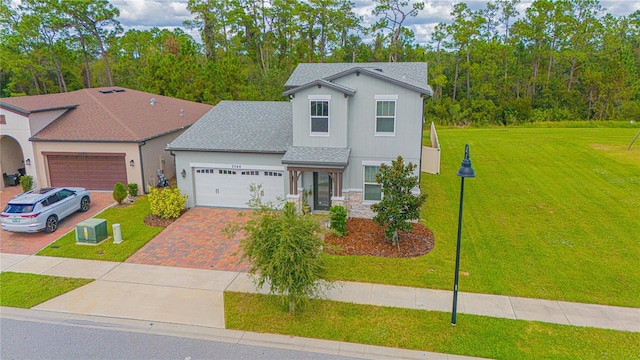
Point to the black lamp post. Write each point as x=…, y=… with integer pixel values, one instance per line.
x=466, y=171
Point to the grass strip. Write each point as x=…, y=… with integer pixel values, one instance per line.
x=427, y=330
x=28, y=290
x=135, y=234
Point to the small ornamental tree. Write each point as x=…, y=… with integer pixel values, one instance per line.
x=398, y=205
x=284, y=249
x=119, y=192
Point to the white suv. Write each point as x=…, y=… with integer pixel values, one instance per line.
x=42, y=209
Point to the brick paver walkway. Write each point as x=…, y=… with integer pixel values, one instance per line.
x=195, y=241
x=29, y=244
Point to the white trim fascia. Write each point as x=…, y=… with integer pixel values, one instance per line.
x=351, y=190
x=375, y=162
x=318, y=97
x=237, y=166
x=386, y=97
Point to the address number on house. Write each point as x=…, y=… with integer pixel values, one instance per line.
x=233, y=166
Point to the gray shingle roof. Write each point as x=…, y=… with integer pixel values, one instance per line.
x=240, y=126
x=410, y=73
x=321, y=82
x=303, y=155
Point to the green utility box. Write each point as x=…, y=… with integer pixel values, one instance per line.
x=91, y=231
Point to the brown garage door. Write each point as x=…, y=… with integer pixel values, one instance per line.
x=94, y=172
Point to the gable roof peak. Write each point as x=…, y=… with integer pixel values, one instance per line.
x=412, y=75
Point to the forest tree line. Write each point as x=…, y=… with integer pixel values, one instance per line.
x=560, y=60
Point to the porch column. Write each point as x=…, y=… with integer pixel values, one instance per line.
x=336, y=178
x=294, y=176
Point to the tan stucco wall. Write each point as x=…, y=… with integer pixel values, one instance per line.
x=40, y=120
x=134, y=174
x=17, y=127
x=10, y=155
x=152, y=153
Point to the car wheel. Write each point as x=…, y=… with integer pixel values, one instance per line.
x=84, y=204
x=52, y=224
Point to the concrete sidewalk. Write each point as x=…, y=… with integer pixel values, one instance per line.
x=194, y=297
x=191, y=300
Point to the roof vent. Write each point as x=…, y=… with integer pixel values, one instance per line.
x=378, y=69
x=118, y=90
x=152, y=101
x=106, y=91
x=181, y=112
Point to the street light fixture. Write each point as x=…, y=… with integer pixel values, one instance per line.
x=466, y=171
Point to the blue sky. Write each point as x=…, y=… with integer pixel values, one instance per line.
x=145, y=14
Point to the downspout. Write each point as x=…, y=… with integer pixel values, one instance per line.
x=421, y=136
x=140, y=145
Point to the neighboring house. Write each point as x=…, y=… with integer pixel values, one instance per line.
x=93, y=137
x=341, y=123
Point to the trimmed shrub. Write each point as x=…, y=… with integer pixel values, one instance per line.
x=26, y=182
x=119, y=192
x=338, y=220
x=167, y=203
x=132, y=189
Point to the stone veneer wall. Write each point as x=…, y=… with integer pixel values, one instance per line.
x=296, y=200
x=355, y=207
x=351, y=200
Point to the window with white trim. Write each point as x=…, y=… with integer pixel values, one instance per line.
x=385, y=117
x=320, y=117
x=372, y=190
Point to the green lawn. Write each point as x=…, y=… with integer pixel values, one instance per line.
x=135, y=234
x=428, y=330
x=552, y=213
x=28, y=290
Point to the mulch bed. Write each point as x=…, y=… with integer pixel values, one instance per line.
x=364, y=237
x=155, y=220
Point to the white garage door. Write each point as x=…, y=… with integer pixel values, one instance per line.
x=230, y=187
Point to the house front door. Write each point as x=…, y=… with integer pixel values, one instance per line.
x=322, y=191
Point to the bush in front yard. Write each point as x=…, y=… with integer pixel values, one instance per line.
x=167, y=203
x=132, y=189
x=338, y=220
x=119, y=192
x=26, y=182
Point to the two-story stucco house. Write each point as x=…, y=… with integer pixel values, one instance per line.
x=341, y=122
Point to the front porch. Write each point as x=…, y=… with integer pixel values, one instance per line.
x=316, y=171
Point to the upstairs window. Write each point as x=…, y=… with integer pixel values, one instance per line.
x=385, y=117
x=320, y=117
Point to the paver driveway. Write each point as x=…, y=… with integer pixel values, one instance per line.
x=196, y=241
x=29, y=244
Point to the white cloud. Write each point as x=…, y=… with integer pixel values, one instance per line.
x=169, y=14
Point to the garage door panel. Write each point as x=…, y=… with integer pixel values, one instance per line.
x=91, y=172
x=230, y=188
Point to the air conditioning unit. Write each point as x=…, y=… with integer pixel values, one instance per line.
x=91, y=231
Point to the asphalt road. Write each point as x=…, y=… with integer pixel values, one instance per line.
x=35, y=340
